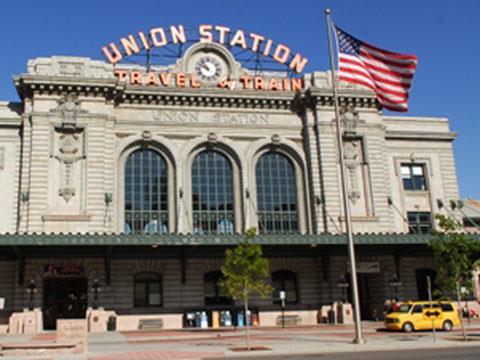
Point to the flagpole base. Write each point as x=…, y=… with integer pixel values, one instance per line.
x=359, y=341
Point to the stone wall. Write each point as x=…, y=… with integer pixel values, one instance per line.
x=110, y=119
x=315, y=288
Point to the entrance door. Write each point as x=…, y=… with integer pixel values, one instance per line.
x=64, y=298
x=368, y=294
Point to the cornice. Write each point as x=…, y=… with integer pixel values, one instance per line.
x=112, y=89
x=420, y=135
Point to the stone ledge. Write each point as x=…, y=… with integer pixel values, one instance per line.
x=32, y=349
x=46, y=218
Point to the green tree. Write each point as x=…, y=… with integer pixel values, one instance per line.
x=456, y=255
x=246, y=273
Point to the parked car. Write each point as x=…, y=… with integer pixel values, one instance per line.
x=418, y=315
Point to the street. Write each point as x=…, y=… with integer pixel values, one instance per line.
x=464, y=353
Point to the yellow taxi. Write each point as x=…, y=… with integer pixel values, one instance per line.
x=418, y=315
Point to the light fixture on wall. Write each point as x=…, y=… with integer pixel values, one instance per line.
x=247, y=193
x=25, y=196
x=318, y=200
x=180, y=193
x=108, y=198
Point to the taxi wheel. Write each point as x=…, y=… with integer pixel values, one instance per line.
x=407, y=327
x=447, y=325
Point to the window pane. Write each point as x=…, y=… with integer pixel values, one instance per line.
x=417, y=170
x=140, y=294
x=276, y=194
x=405, y=170
x=419, y=222
x=212, y=194
x=154, y=295
x=146, y=192
x=413, y=177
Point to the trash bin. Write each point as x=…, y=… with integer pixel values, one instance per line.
x=198, y=319
x=112, y=323
x=215, y=319
x=240, y=319
x=190, y=320
x=226, y=318
x=204, y=320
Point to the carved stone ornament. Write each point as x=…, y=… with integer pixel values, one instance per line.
x=70, y=150
x=276, y=139
x=69, y=107
x=146, y=135
x=212, y=137
x=351, y=155
x=350, y=119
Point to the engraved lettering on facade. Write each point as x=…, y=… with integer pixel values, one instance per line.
x=241, y=119
x=176, y=116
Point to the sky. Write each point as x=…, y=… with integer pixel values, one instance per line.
x=443, y=34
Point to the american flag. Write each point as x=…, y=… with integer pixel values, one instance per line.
x=387, y=73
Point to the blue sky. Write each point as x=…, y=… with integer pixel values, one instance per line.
x=443, y=34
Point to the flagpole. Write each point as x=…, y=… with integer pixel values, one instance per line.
x=346, y=204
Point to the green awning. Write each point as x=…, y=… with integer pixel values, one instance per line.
x=207, y=240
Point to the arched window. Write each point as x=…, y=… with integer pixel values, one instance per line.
x=276, y=195
x=422, y=285
x=213, y=293
x=285, y=280
x=212, y=194
x=146, y=205
x=147, y=289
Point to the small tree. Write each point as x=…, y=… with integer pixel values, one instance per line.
x=455, y=256
x=245, y=273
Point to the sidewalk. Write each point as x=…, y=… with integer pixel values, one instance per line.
x=197, y=344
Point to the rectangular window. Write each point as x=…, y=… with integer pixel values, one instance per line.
x=419, y=222
x=413, y=177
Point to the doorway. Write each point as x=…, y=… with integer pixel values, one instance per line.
x=64, y=298
x=370, y=295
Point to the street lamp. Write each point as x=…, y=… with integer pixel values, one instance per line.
x=343, y=285
x=283, y=295
x=96, y=289
x=396, y=284
x=32, y=289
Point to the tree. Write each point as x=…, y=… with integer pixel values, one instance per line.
x=455, y=256
x=246, y=273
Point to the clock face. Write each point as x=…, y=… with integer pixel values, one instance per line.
x=209, y=68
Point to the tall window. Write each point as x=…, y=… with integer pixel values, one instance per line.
x=419, y=222
x=212, y=194
x=147, y=289
x=285, y=280
x=413, y=177
x=276, y=195
x=213, y=293
x=146, y=206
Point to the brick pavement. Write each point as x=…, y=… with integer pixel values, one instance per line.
x=197, y=344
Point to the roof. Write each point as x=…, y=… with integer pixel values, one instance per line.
x=207, y=240
x=471, y=208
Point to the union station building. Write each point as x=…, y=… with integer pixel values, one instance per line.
x=122, y=185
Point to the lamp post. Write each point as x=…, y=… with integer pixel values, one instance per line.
x=396, y=284
x=283, y=296
x=96, y=289
x=32, y=289
x=343, y=285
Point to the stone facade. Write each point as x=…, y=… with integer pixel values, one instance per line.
x=78, y=125
x=64, y=147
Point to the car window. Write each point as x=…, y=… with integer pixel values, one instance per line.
x=417, y=309
x=446, y=307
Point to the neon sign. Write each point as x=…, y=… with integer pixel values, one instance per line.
x=176, y=34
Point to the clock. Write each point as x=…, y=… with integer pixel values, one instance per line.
x=209, y=68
